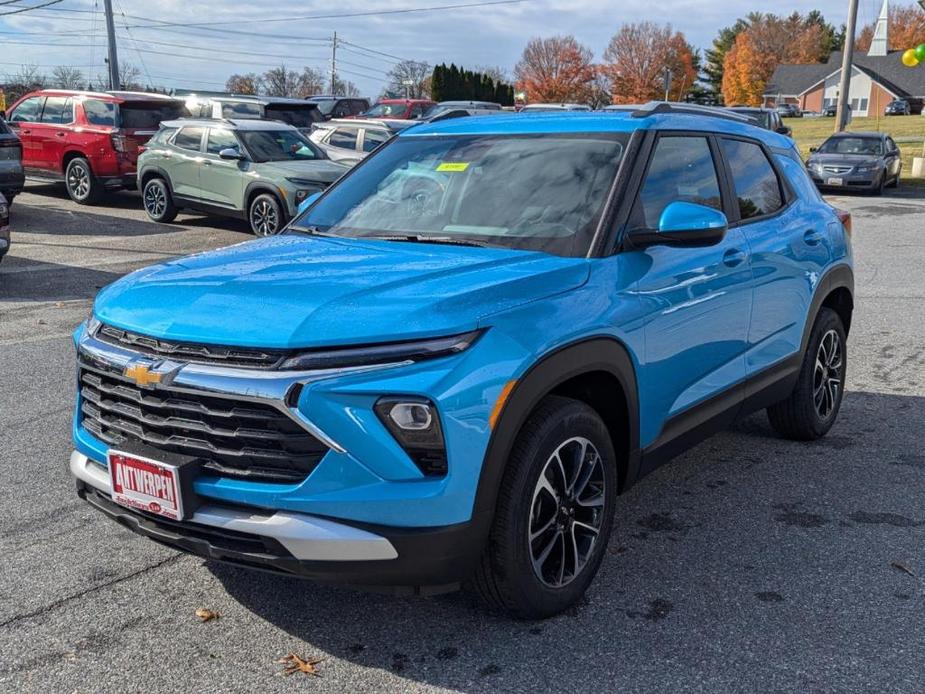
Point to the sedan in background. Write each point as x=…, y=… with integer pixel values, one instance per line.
x=11, y=171
x=864, y=161
x=349, y=140
x=898, y=107
x=4, y=226
x=789, y=111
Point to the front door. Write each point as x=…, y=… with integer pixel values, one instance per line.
x=695, y=301
x=23, y=119
x=50, y=133
x=221, y=182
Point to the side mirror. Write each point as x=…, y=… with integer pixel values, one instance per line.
x=308, y=202
x=231, y=153
x=813, y=149
x=685, y=224
x=784, y=130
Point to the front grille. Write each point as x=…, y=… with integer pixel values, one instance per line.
x=191, y=351
x=828, y=168
x=239, y=439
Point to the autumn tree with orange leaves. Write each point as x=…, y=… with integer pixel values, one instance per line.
x=907, y=29
x=767, y=42
x=556, y=69
x=636, y=58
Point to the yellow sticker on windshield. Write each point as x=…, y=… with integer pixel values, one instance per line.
x=453, y=166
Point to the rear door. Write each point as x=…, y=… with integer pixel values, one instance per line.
x=186, y=158
x=139, y=120
x=696, y=301
x=22, y=120
x=789, y=246
x=372, y=138
x=50, y=133
x=221, y=181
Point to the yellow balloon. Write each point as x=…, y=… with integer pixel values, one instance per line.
x=909, y=59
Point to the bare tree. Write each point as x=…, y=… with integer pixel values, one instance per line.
x=409, y=78
x=281, y=81
x=249, y=83
x=344, y=88
x=129, y=78
x=496, y=72
x=67, y=77
x=312, y=82
x=28, y=78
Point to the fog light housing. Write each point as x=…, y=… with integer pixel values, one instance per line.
x=415, y=425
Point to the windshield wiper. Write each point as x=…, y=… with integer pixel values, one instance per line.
x=309, y=230
x=414, y=238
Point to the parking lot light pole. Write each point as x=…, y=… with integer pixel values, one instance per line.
x=844, y=83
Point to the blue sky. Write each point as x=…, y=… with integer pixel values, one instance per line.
x=73, y=33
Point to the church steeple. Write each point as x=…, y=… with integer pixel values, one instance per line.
x=880, y=44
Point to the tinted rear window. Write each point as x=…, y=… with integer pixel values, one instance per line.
x=149, y=116
x=100, y=112
x=298, y=116
x=241, y=110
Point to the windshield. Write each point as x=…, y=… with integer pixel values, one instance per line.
x=295, y=115
x=539, y=192
x=852, y=145
x=326, y=106
x=149, y=116
x=278, y=145
x=757, y=115
x=386, y=110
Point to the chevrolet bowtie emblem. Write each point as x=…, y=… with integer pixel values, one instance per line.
x=142, y=375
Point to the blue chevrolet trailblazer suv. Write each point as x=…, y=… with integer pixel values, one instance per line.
x=452, y=362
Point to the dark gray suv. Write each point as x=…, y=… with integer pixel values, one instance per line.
x=11, y=171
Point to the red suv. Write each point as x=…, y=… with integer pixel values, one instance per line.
x=398, y=108
x=88, y=140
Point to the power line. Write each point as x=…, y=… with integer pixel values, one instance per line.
x=340, y=15
x=371, y=50
x=30, y=9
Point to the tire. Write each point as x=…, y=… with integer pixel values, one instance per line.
x=265, y=215
x=895, y=182
x=80, y=182
x=158, y=202
x=812, y=408
x=878, y=189
x=513, y=574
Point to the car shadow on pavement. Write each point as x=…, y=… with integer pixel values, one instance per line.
x=23, y=279
x=744, y=546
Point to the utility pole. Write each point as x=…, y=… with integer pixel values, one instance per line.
x=667, y=82
x=844, y=84
x=113, y=59
x=333, y=63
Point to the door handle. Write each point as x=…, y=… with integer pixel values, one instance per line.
x=59, y=134
x=25, y=132
x=206, y=163
x=733, y=257
x=812, y=237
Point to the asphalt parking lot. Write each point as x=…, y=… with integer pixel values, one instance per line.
x=747, y=564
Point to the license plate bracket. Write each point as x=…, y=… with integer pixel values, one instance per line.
x=835, y=181
x=154, y=481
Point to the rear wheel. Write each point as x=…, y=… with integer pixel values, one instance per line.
x=554, y=513
x=813, y=406
x=158, y=201
x=266, y=215
x=80, y=182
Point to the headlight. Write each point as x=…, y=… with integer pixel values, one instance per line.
x=92, y=323
x=305, y=187
x=867, y=169
x=388, y=353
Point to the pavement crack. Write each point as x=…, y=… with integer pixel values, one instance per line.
x=76, y=596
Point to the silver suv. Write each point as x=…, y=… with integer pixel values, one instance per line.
x=250, y=169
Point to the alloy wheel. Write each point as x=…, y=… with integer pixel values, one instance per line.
x=264, y=218
x=566, y=512
x=827, y=375
x=78, y=181
x=155, y=200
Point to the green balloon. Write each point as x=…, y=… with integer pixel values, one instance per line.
x=920, y=52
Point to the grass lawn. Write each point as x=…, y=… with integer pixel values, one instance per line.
x=908, y=131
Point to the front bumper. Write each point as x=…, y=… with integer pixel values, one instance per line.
x=850, y=181
x=428, y=561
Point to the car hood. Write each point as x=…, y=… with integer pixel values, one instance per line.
x=322, y=170
x=301, y=291
x=845, y=159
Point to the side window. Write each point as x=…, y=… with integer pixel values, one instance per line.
x=681, y=168
x=58, y=110
x=100, y=112
x=240, y=110
x=346, y=138
x=188, y=138
x=373, y=138
x=342, y=109
x=756, y=185
x=891, y=144
x=220, y=139
x=358, y=106
x=28, y=111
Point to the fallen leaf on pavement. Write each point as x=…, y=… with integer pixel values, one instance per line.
x=294, y=664
x=902, y=567
x=206, y=615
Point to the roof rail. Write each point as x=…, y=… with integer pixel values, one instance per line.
x=655, y=107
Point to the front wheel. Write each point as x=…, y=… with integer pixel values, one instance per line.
x=266, y=215
x=811, y=409
x=80, y=182
x=554, y=513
